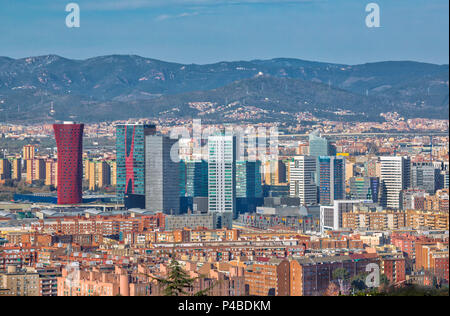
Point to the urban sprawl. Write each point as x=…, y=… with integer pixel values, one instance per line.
x=339, y=208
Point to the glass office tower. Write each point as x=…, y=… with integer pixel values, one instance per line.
x=331, y=179
x=248, y=179
x=320, y=146
x=130, y=147
x=194, y=178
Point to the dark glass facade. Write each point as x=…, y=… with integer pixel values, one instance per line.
x=331, y=179
x=194, y=179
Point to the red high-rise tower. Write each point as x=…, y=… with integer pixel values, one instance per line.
x=69, y=140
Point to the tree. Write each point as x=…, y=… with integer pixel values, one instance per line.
x=358, y=282
x=384, y=280
x=178, y=282
x=342, y=276
x=332, y=290
x=435, y=282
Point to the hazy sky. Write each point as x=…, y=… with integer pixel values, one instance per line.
x=205, y=31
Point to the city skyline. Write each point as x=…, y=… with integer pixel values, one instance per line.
x=298, y=216
x=225, y=186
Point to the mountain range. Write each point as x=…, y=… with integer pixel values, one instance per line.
x=115, y=87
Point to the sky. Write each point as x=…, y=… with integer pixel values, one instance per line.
x=208, y=31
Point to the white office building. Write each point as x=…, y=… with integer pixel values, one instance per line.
x=331, y=215
x=222, y=174
x=395, y=177
x=302, y=184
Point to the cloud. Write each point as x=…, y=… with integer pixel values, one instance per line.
x=164, y=17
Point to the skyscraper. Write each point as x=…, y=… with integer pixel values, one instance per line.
x=424, y=176
x=69, y=141
x=331, y=179
x=162, y=191
x=194, y=178
x=395, y=177
x=222, y=174
x=249, y=192
x=364, y=188
x=130, y=147
x=248, y=179
x=320, y=146
x=275, y=172
x=302, y=184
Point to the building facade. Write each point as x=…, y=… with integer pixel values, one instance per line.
x=248, y=179
x=130, y=147
x=222, y=174
x=162, y=192
x=331, y=179
x=395, y=177
x=69, y=141
x=194, y=178
x=5, y=170
x=302, y=183
x=320, y=146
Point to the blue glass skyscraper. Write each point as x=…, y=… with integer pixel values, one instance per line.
x=331, y=179
x=248, y=179
x=130, y=147
x=320, y=146
x=194, y=178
